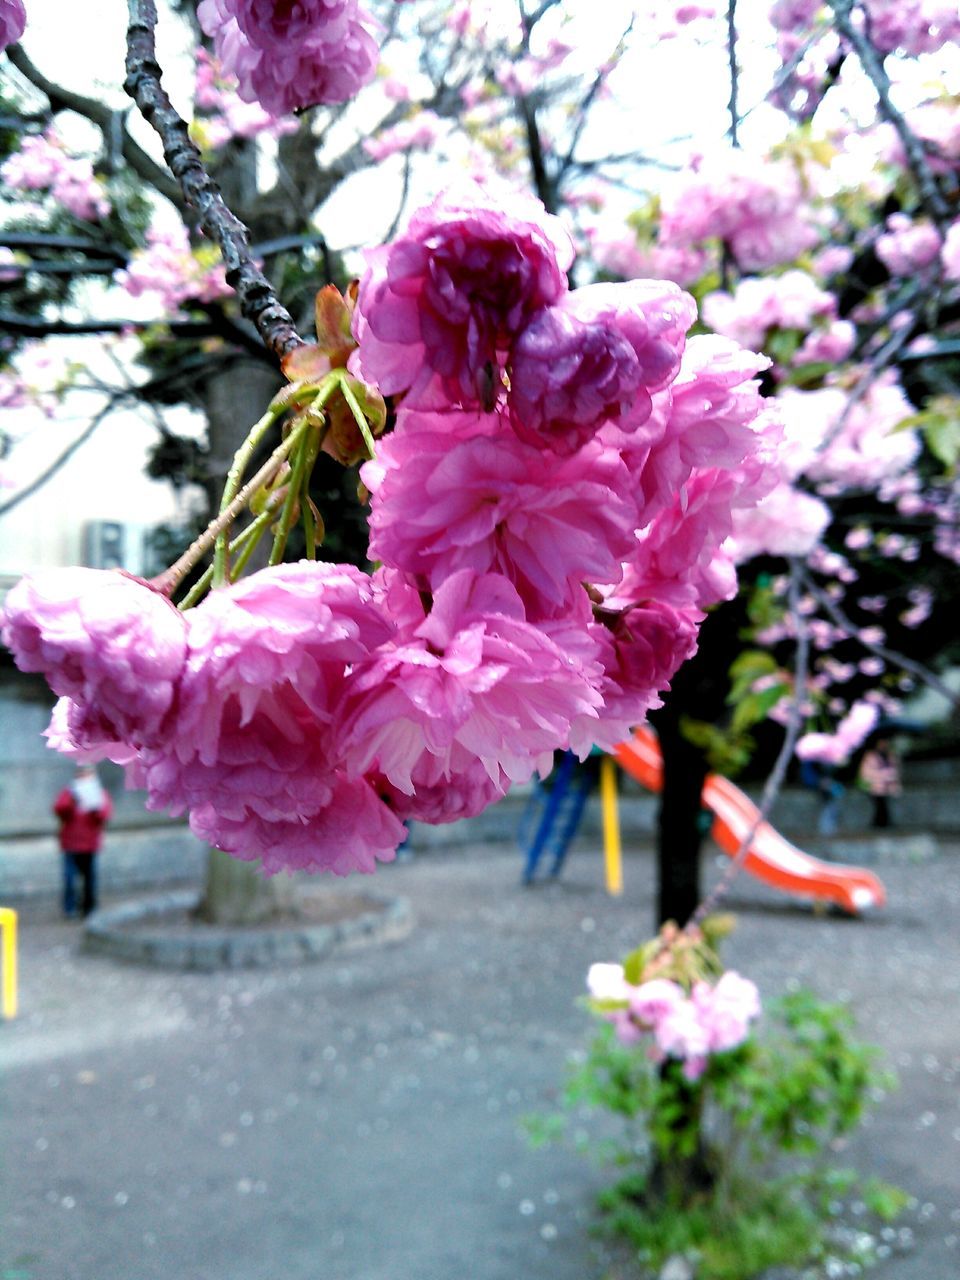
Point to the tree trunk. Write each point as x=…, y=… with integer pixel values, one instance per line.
x=237, y=893
x=680, y=830
x=698, y=690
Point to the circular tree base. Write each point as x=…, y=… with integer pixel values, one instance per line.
x=164, y=931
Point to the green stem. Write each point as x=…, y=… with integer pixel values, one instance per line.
x=358, y=414
x=170, y=579
x=247, y=539
x=294, y=485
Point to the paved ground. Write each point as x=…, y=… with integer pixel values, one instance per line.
x=357, y=1120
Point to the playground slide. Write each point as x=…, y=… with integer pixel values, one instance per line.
x=770, y=857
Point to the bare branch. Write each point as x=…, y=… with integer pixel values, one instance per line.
x=258, y=301
x=734, y=130
x=106, y=121
x=51, y=470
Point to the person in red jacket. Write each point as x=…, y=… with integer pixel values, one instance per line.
x=83, y=810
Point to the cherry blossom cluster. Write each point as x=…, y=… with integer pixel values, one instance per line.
x=548, y=514
x=169, y=271
x=754, y=208
x=42, y=164
x=809, y=45
x=288, y=56
x=836, y=748
x=713, y=1017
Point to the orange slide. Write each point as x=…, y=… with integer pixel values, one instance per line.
x=770, y=857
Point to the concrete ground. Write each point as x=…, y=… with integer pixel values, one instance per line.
x=358, y=1119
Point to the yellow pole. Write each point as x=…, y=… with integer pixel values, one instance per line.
x=613, y=867
x=8, y=928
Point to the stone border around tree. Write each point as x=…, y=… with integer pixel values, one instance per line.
x=124, y=933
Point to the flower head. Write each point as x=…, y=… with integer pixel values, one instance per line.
x=104, y=639
x=595, y=357
x=460, y=491
x=292, y=55
x=440, y=307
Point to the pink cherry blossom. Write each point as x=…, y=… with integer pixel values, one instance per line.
x=459, y=490
x=906, y=247
x=106, y=640
x=292, y=55
x=13, y=20
x=726, y=1010
x=42, y=164
x=351, y=832
x=787, y=522
x=596, y=356
x=169, y=271
x=836, y=748
x=421, y=131
x=710, y=416
x=754, y=206
x=640, y=647
x=253, y=742
x=473, y=674
x=951, y=252
x=439, y=307
x=758, y=304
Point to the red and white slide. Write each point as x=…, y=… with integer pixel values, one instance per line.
x=770, y=857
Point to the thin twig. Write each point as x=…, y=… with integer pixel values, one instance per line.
x=840, y=619
x=48, y=472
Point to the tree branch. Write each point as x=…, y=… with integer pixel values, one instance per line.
x=840, y=619
x=49, y=471
x=258, y=302
x=104, y=118
x=734, y=130
x=930, y=193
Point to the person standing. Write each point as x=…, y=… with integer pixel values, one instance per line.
x=83, y=810
x=880, y=777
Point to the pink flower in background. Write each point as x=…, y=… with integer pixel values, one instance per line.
x=791, y=301
x=752, y=205
x=596, y=356
x=907, y=247
x=787, y=522
x=439, y=307
x=42, y=164
x=288, y=56
x=831, y=345
x=13, y=20
x=474, y=674
x=170, y=271
x=951, y=252
x=836, y=748
x=104, y=639
x=420, y=131
x=460, y=491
